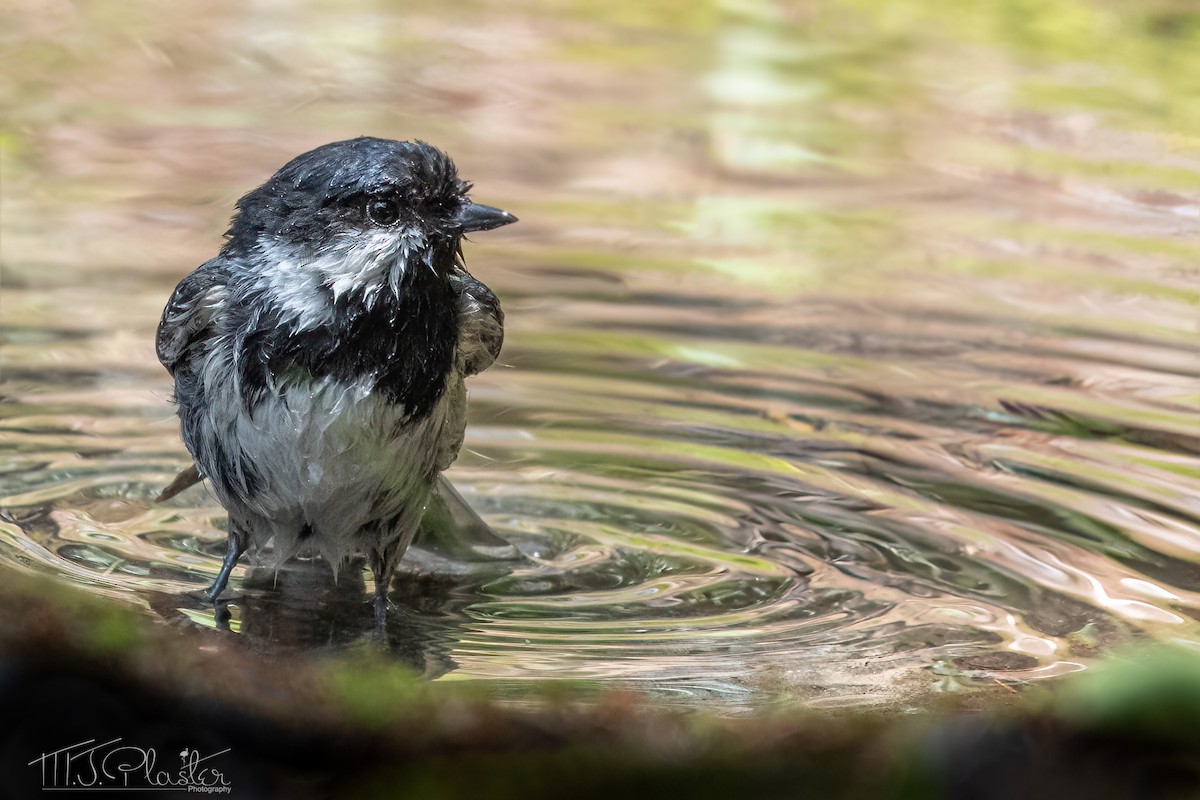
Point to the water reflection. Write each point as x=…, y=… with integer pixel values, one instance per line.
x=851, y=346
x=301, y=609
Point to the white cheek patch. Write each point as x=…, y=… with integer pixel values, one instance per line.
x=303, y=284
x=298, y=290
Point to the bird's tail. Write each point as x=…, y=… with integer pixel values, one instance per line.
x=184, y=480
x=452, y=529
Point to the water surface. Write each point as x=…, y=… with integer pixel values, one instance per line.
x=852, y=347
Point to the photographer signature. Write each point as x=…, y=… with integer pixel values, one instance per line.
x=111, y=764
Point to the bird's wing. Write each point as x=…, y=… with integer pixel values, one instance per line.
x=187, y=319
x=481, y=322
x=480, y=336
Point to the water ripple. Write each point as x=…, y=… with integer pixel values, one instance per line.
x=896, y=400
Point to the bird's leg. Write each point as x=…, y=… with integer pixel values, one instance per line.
x=237, y=546
x=383, y=564
x=381, y=570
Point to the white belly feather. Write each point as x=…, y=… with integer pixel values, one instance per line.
x=332, y=459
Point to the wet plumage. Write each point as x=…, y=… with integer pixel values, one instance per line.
x=319, y=360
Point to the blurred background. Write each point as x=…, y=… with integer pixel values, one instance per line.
x=852, y=345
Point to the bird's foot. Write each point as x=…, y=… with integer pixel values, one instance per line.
x=220, y=605
x=222, y=615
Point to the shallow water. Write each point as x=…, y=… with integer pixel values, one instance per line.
x=852, y=347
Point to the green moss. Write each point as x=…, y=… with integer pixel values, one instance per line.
x=375, y=693
x=1152, y=695
x=114, y=630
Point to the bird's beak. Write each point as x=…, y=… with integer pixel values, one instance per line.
x=478, y=217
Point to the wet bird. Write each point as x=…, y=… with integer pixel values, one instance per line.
x=319, y=360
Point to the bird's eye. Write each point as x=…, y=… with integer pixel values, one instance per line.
x=383, y=210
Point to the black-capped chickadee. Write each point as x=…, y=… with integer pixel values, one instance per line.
x=319, y=359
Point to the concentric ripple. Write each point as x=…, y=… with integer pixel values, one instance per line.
x=900, y=398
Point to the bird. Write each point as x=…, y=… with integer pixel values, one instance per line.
x=319, y=359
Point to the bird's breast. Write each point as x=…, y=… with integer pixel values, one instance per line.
x=335, y=458
x=400, y=344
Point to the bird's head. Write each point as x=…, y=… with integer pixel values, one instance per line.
x=356, y=216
